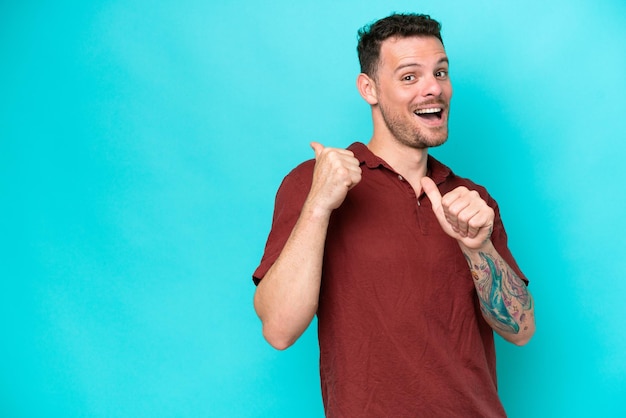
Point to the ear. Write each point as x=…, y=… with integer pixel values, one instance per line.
x=367, y=88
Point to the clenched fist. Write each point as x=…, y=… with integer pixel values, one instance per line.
x=336, y=172
x=462, y=214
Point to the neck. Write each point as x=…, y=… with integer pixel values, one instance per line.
x=406, y=160
x=410, y=163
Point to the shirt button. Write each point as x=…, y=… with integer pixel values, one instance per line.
x=400, y=177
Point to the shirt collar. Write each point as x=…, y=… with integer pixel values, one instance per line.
x=436, y=170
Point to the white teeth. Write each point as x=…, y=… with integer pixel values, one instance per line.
x=429, y=110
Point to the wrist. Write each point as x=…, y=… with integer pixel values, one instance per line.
x=471, y=252
x=316, y=212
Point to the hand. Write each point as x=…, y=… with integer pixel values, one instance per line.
x=336, y=172
x=462, y=214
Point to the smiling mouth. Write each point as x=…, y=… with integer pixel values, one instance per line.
x=431, y=114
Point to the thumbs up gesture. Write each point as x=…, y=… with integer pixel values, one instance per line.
x=336, y=172
x=462, y=214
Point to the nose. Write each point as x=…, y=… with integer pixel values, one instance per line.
x=432, y=86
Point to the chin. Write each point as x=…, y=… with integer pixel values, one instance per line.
x=437, y=143
x=423, y=143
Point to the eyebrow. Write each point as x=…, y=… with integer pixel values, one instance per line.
x=415, y=64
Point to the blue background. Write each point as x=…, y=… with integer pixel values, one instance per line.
x=141, y=144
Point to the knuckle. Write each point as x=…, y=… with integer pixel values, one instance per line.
x=341, y=171
x=475, y=223
x=464, y=217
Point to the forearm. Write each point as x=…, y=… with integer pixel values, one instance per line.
x=286, y=299
x=505, y=301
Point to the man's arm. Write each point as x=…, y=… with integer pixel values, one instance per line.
x=286, y=299
x=505, y=301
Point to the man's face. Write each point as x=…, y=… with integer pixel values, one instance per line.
x=414, y=91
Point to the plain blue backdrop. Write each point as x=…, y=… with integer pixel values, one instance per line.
x=141, y=145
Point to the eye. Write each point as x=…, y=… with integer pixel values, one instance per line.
x=409, y=77
x=442, y=74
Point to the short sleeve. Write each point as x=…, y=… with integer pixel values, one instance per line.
x=287, y=207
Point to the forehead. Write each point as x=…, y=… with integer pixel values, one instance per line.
x=418, y=50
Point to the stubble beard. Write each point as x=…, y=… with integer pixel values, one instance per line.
x=409, y=134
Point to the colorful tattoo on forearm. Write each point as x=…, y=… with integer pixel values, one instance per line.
x=502, y=294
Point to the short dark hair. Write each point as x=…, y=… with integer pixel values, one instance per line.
x=403, y=25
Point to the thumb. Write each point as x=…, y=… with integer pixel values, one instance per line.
x=317, y=148
x=431, y=190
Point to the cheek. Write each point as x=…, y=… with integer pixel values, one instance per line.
x=392, y=100
x=405, y=96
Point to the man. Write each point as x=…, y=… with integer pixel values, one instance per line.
x=405, y=264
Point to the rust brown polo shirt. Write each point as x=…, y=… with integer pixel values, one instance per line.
x=399, y=324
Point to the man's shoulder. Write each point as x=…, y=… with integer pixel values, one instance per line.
x=302, y=172
x=449, y=180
